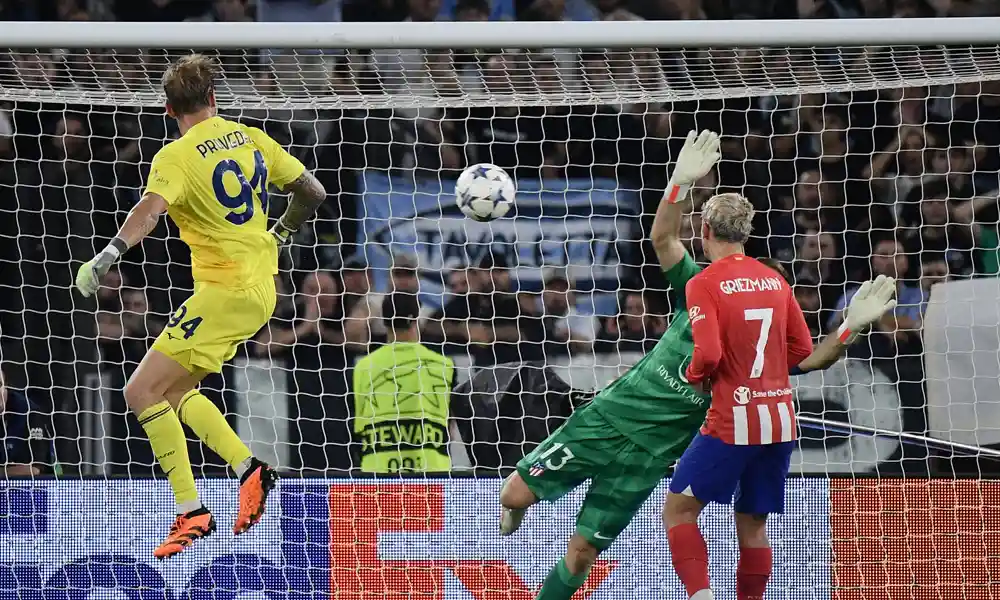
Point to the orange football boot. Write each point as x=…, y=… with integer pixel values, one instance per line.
x=186, y=530
x=255, y=485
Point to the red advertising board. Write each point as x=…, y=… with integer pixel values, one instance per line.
x=360, y=512
x=915, y=539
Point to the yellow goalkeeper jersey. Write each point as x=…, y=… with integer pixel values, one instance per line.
x=214, y=179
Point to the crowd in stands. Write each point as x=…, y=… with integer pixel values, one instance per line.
x=902, y=182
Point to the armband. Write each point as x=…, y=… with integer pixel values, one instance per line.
x=795, y=371
x=675, y=192
x=845, y=335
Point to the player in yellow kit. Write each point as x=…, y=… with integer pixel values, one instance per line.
x=212, y=181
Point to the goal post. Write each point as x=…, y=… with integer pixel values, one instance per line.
x=863, y=144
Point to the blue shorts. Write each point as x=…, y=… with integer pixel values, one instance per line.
x=712, y=471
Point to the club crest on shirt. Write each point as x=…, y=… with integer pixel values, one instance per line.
x=742, y=395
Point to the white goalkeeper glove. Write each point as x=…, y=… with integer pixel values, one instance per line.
x=699, y=154
x=872, y=300
x=88, y=277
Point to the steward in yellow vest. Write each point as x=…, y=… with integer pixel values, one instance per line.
x=401, y=397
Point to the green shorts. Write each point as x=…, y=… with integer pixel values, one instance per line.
x=622, y=474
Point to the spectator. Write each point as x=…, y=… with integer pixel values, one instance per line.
x=807, y=294
x=226, y=11
x=159, y=10
x=416, y=71
x=456, y=280
x=567, y=331
x=472, y=10
x=138, y=320
x=899, y=167
x=315, y=341
x=933, y=230
x=614, y=10
x=527, y=142
x=365, y=320
x=902, y=328
x=489, y=318
x=819, y=261
x=933, y=270
x=635, y=329
x=979, y=217
x=402, y=394
x=27, y=435
x=356, y=283
x=540, y=10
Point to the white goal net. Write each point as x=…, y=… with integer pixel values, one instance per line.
x=859, y=157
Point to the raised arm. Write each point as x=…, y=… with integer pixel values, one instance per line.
x=307, y=193
x=699, y=154
x=872, y=300
x=965, y=213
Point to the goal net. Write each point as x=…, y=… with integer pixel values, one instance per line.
x=859, y=158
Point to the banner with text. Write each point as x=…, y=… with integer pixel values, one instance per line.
x=588, y=227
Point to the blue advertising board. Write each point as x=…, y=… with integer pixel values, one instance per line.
x=358, y=540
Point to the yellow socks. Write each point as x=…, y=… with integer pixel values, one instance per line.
x=206, y=420
x=166, y=436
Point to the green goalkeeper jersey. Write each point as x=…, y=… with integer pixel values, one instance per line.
x=652, y=404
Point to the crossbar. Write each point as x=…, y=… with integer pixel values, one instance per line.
x=501, y=34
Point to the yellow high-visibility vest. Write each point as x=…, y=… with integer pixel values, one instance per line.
x=401, y=397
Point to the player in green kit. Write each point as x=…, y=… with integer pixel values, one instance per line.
x=627, y=439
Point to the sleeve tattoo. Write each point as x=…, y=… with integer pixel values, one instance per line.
x=307, y=193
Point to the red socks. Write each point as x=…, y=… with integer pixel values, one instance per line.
x=752, y=572
x=690, y=557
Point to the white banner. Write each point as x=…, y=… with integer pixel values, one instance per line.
x=962, y=363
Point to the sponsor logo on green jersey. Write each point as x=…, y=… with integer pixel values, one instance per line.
x=679, y=384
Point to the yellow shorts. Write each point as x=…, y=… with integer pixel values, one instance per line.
x=205, y=331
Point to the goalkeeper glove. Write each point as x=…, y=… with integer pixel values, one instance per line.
x=699, y=154
x=872, y=300
x=281, y=233
x=88, y=277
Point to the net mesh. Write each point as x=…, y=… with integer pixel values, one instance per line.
x=439, y=78
x=857, y=160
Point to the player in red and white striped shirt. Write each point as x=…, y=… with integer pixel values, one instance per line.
x=749, y=334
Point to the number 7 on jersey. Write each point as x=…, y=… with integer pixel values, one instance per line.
x=765, y=316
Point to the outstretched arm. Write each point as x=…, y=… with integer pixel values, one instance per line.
x=699, y=154
x=872, y=300
x=138, y=224
x=823, y=355
x=307, y=193
x=142, y=220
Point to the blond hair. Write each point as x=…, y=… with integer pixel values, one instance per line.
x=729, y=217
x=189, y=83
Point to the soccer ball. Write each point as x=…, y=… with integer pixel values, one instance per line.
x=484, y=192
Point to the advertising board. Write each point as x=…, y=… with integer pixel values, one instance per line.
x=437, y=540
x=356, y=540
